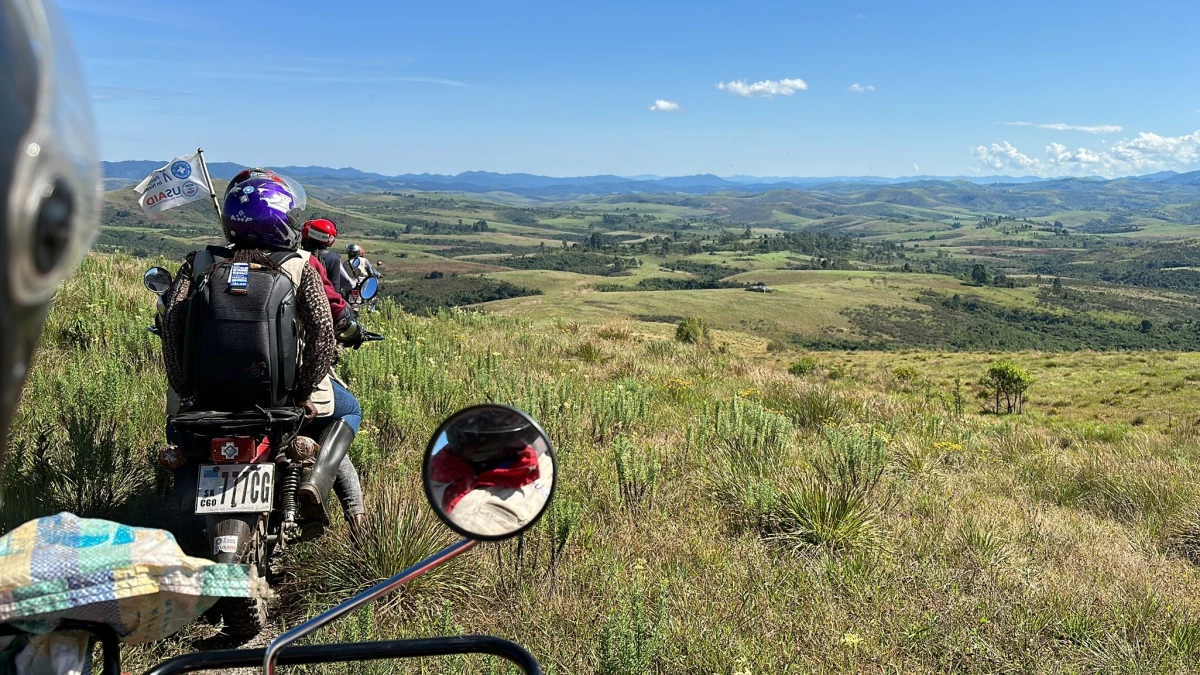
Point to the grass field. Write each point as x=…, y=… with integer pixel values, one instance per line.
x=716, y=513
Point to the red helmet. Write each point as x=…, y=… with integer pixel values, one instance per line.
x=320, y=230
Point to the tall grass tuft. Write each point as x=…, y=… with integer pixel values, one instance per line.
x=637, y=474
x=403, y=531
x=835, y=505
x=631, y=637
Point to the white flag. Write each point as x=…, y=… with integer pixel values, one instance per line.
x=180, y=182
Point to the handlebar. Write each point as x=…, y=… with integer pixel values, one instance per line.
x=368, y=336
x=356, y=651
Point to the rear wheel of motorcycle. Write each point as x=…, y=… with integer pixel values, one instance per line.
x=244, y=618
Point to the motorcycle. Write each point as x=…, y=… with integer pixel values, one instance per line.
x=366, y=291
x=236, y=476
x=465, y=500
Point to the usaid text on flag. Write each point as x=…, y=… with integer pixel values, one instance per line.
x=177, y=183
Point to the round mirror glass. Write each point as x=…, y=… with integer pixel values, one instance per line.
x=356, y=262
x=157, y=279
x=369, y=288
x=489, y=472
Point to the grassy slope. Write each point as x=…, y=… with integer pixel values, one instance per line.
x=989, y=545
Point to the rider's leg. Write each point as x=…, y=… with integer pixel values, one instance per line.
x=333, y=461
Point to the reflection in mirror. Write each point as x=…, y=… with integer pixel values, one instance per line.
x=369, y=288
x=157, y=279
x=489, y=472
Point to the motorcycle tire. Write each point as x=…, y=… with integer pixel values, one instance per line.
x=244, y=618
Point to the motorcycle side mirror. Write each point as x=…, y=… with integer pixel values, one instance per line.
x=489, y=472
x=369, y=288
x=157, y=280
x=356, y=263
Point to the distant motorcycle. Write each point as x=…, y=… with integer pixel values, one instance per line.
x=366, y=292
x=243, y=469
x=466, y=496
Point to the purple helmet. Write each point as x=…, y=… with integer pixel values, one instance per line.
x=261, y=210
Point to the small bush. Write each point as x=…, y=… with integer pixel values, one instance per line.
x=631, y=638
x=692, y=330
x=805, y=366
x=637, y=474
x=1006, y=383
x=777, y=346
x=905, y=374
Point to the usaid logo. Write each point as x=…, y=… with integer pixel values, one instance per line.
x=181, y=170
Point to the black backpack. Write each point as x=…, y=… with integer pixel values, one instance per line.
x=242, y=340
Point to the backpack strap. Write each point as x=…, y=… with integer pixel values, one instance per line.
x=281, y=257
x=205, y=259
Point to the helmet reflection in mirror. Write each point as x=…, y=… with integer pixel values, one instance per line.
x=157, y=280
x=489, y=472
x=369, y=288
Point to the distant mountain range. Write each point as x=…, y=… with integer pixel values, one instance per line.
x=348, y=180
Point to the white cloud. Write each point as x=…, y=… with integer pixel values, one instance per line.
x=1059, y=126
x=764, y=88
x=916, y=168
x=861, y=88
x=1145, y=153
x=1003, y=156
x=661, y=105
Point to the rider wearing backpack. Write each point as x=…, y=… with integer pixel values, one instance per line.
x=362, y=269
x=250, y=325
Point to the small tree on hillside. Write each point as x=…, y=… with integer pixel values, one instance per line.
x=692, y=330
x=1006, y=383
x=979, y=275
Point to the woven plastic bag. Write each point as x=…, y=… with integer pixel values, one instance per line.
x=136, y=580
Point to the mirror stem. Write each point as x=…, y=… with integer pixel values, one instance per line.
x=376, y=591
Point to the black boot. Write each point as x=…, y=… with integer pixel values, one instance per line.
x=313, y=493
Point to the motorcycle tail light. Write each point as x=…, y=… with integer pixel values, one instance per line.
x=239, y=450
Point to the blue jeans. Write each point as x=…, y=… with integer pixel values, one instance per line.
x=345, y=408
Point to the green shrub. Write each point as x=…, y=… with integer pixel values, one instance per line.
x=692, y=330
x=637, y=474
x=1006, y=383
x=805, y=366
x=631, y=637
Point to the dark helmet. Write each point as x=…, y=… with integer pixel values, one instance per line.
x=49, y=180
x=489, y=434
x=262, y=209
x=354, y=250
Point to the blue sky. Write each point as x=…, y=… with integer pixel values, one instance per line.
x=563, y=88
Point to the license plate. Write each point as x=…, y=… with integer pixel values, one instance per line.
x=235, y=488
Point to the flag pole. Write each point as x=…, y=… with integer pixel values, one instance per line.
x=208, y=179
